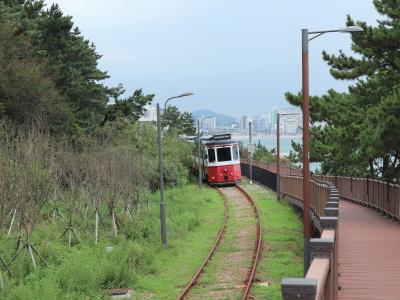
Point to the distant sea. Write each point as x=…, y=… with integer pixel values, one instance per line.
x=286, y=145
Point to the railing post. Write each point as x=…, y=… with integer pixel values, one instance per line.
x=299, y=288
x=368, y=190
x=328, y=222
x=387, y=198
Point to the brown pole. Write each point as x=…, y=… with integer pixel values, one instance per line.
x=278, y=156
x=306, y=150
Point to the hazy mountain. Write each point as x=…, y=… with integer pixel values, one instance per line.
x=222, y=120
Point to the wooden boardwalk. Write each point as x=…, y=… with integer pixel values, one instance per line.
x=369, y=254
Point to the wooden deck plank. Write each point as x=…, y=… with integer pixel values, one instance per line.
x=369, y=254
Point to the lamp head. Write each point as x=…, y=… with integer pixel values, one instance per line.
x=351, y=29
x=186, y=94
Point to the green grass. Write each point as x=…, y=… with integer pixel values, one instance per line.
x=137, y=261
x=282, y=254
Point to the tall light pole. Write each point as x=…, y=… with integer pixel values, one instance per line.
x=278, y=153
x=306, y=133
x=198, y=152
x=161, y=169
x=198, y=148
x=251, y=154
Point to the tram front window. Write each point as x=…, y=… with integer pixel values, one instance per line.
x=211, y=155
x=224, y=154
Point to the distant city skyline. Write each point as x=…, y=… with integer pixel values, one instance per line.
x=262, y=123
x=236, y=56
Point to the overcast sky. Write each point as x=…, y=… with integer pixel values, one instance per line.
x=237, y=56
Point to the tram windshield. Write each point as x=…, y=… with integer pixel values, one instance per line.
x=224, y=154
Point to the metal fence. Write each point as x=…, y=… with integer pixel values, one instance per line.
x=260, y=175
x=284, y=170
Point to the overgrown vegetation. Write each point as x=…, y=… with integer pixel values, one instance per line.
x=134, y=258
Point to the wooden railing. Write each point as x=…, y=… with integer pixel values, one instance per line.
x=377, y=194
x=321, y=280
x=292, y=186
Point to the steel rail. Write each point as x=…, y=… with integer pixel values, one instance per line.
x=196, y=276
x=257, y=249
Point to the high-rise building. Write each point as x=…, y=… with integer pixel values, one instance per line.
x=290, y=120
x=209, y=124
x=244, y=123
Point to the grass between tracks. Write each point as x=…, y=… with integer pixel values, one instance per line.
x=282, y=254
x=137, y=260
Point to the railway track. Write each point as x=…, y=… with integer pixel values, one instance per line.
x=227, y=193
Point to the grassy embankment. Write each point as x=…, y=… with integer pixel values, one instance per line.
x=282, y=254
x=137, y=260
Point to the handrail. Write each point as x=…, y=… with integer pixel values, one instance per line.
x=376, y=194
x=319, y=270
x=321, y=280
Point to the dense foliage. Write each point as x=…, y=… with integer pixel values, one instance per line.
x=357, y=133
x=50, y=72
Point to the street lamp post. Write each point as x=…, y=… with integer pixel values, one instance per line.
x=306, y=133
x=251, y=154
x=198, y=152
x=161, y=169
x=200, y=173
x=278, y=157
x=278, y=153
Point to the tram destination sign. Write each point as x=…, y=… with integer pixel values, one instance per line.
x=220, y=137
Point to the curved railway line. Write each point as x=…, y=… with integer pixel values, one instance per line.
x=248, y=281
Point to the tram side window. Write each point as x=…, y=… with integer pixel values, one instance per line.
x=235, y=153
x=211, y=155
x=224, y=154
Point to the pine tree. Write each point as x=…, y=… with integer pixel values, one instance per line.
x=357, y=133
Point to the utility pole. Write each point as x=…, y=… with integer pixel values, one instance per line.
x=306, y=132
x=278, y=167
x=198, y=153
x=161, y=168
x=251, y=156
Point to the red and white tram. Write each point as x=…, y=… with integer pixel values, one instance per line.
x=220, y=160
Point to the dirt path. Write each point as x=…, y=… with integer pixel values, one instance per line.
x=225, y=275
